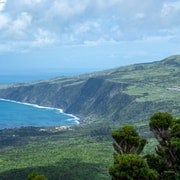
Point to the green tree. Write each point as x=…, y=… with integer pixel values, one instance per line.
x=127, y=140
x=131, y=167
x=159, y=124
x=155, y=162
x=128, y=165
x=175, y=141
x=128, y=145
x=167, y=132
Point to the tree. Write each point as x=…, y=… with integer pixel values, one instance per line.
x=127, y=140
x=155, y=162
x=128, y=165
x=131, y=167
x=175, y=140
x=159, y=124
x=165, y=164
x=167, y=132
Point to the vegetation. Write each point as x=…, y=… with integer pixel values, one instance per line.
x=165, y=164
x=131, y=167
x=103, y=101
x=128, y=165
x=36, y=176
x=80, y=153
x=128, y=141
x=167, y=132
x=127, y=94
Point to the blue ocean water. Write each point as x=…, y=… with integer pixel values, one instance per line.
x=23, y=78
x=30, y=76
x=15, y=114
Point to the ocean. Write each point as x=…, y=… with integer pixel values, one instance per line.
x=31, y=76
x=16, y=114
x=22, y=78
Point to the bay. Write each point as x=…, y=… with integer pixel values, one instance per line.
x=16, y=114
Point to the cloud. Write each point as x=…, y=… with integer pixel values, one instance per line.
x=2, y=4
x=140, y=16
x=157, y=38
x=67, y=9
x=43, y=38
x=37, y=23
x=170, y=13
x=170, y=8
x=4, y=19
x=30, y=2
x=102, y=5
x=20, y=25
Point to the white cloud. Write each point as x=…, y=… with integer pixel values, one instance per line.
x=2, y=4
x=86, y=27
x=47, y=22
x=157, y=38
x=4, y=19
x=170, y=7
x=43, y=38
x=140, y=16
x=26, y=3
x=101, y=4
x=97, y=42
x=170, y=13
x=20, y=25
x=30, y=2
x=67, y=8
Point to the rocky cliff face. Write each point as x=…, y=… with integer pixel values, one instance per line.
x=101, y=97
x=93, y=96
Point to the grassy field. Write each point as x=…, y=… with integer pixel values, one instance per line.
x=63, y=155
x=81, y=153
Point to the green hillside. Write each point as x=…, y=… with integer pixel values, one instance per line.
x=129, y=93
x=103, y=101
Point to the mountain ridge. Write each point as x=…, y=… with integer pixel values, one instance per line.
x=126, y=94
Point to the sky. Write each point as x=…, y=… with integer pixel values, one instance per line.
x=86, y=34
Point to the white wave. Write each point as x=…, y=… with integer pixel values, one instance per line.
x=75, y=118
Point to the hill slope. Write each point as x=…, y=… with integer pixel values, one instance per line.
x=113, y=97
x=120, y=95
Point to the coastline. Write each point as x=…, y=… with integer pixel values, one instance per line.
x=76, y=119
